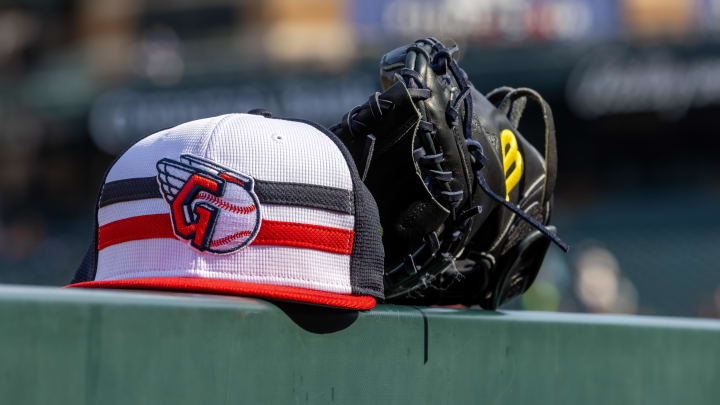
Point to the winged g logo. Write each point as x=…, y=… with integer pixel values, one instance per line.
x=213, y=207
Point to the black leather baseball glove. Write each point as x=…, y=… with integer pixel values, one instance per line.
x=464, y=199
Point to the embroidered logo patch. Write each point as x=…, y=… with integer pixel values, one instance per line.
x=213, y=207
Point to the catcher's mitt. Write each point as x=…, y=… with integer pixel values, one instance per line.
x=449, y=170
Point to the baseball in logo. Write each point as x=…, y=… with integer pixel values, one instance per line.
x=213, y=207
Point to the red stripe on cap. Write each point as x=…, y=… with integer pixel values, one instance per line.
x=308, y=236
x=279, y=233
x=230, y=287
x=135, y=228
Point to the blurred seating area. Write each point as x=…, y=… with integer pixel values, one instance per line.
x=634, y=85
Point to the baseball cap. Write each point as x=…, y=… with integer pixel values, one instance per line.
x=239, y=204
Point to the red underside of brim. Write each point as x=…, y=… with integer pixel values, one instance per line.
x=228, y=287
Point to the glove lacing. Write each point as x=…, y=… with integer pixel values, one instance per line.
x=442, y=63
x=377, y=107
x=432, y=247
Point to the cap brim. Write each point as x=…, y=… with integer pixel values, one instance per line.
x=229, y=287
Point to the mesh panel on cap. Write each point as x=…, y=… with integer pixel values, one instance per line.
x=278, y=150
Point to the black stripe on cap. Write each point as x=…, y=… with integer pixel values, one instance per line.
x=129, y=190
x=305, y=195
x=268, y=192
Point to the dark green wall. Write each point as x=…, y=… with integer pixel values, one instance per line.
x=101, y=347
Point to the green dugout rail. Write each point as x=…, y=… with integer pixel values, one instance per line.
x=114, y=347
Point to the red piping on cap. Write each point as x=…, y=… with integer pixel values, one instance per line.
x=242, y=288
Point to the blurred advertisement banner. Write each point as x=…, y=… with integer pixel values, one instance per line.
x=616, y=80
x=486, y=20
x=652, y=18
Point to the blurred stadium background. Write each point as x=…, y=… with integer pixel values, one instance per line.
x=634, y=84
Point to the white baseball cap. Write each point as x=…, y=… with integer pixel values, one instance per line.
x=240, y=204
